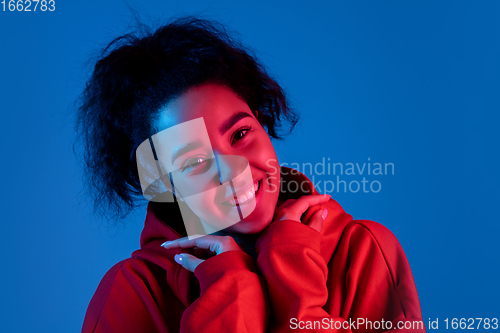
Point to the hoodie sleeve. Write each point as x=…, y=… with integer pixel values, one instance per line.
x=233, y=296
x=367, y=280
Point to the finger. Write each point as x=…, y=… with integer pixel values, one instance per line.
x=304, y=202
x=287, y=203
x=317, y=219
x=187, y=261
x=183, y=242
x=284, y=205
x=216, y=244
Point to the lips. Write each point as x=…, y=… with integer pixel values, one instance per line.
x=245, y=197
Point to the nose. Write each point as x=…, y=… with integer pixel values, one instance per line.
x=230, y=166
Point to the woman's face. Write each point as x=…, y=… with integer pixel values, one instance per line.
x=233, y=136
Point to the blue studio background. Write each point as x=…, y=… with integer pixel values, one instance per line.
x=413, y=83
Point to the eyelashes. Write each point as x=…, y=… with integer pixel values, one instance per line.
x=200, y=164
x=239, y=134
x=196, y=162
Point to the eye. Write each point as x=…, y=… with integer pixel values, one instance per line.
x=196, y=164
x=239, y=134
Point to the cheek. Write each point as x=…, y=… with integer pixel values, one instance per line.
x=262, y=154
x=207, y=206
x=271, y=164
x=204, y=206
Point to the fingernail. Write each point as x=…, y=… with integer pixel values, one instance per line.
x=327, y=195
x=324, y=214
x=166, y=243
x=178, y=259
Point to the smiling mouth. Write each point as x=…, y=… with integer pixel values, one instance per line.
x=245, y=197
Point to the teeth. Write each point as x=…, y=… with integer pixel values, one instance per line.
x=249, y=195
x=242, y=198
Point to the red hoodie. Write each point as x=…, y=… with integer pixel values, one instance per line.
x=352, y=276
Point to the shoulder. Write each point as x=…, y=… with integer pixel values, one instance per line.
x=124, y=290
x=373, y=240
x=130, y=264
x=128, y=273
x=372, y=230
x=365, y=231
x=373, y=251
x=128, y=270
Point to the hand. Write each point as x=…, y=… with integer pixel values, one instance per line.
x=292, y=209
x=215, y=244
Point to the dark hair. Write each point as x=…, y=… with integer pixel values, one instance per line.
x=137, y=74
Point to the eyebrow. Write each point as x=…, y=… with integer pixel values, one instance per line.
x=231, y=121
x=185, y=148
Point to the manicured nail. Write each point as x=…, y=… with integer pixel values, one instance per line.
x=178, y=259
x=327, y=195
x=166, y=243
x=324, y=214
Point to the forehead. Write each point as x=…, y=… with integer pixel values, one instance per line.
x=214, y=103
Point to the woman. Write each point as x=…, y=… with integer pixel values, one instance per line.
x=183, y=116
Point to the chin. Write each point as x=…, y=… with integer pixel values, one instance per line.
x=263, y=213
x=256, y=222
